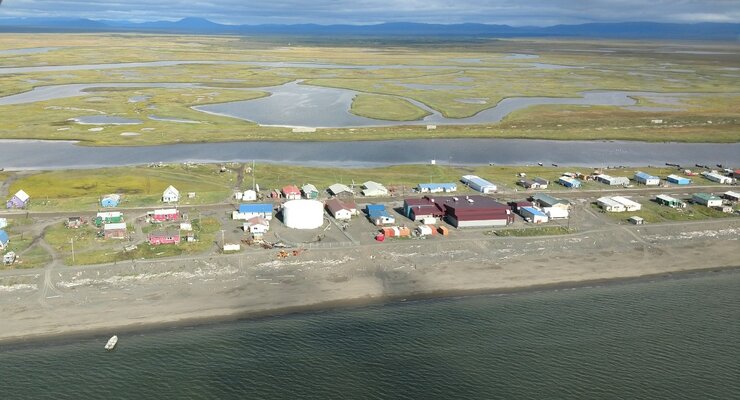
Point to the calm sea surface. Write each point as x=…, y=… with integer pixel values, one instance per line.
x=668, y=339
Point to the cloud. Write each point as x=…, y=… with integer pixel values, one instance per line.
x=511, y=12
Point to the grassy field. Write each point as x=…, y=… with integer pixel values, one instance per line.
x=386, y=108
x=533, y=231
x=22, y=242
x=139, y=186
x=705, y=87
x=91, y=249
x=653, y=212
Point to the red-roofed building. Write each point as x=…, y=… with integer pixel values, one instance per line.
x=468, y=211
x=292, y=192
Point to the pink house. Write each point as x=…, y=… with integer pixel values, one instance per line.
x=162, y=237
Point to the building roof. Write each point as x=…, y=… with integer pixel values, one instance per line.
x=610, y=202
x=116, y=226
x=171, y=189
x=22, y=196
x=477, y=181
x=643, y=175
x=336, y=205
x=668, y=198
x=706, y=196
x=730, y=193
x=474, y=202
x=165, y=211
x=291, y=189
x=534, y=211
x=371, y=185
x=541, y=181
x=570, y=180
x=4, y=238
x=257, y=221
x=627, y=202
x=167, y=233
x=255, y=208
x=677, y=178
x=338, y=188
x=443, y=186
x=308, y=188
x=377, y=210
x=548, y=200
x=109, y=214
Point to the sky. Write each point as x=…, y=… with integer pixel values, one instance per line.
x=508, y=12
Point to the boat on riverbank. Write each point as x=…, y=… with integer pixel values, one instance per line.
x=111, y=343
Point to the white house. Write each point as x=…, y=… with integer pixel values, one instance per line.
x=171, y=195
x=257, y=225
x=613, y=180
x=479, y=184
x=339, y=189
x=646, y=179
x=610, y=205
x=373, y=189
x=716, y=177
x=533, y=215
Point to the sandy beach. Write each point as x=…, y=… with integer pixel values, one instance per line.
x=132, y=296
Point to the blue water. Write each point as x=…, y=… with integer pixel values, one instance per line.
x=671, y=339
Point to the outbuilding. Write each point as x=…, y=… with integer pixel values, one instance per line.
x=636, y=220
x=19, y=200
x=646, y=179
x=678, y=180
x=163, y=215
x=533, y=215
x=479, y=184
x=3, y=222
x=257, y=225
x=248, y=211
x=110, y=217
x=171, y=195
x=74, y=222
x=610, y=205
x=9, y=258
x=706, y=199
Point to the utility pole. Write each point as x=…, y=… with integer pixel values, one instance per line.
x=253, y=177
x=72, y=241
x=223, y=241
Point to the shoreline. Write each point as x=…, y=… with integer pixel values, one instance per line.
x=347, y=304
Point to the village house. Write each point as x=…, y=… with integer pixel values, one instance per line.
x=257, y=226
x=19, y=200
x=569, y=182
x=291, y=192
x=669, y=201
x=373, y=189
x=609, y=205
x=163, y=215
x=310, y=192
x=730, y=196
x=164, y=237
x=629, y=204
x=436, y=187
x=249, y=211
x=341, y=210
x=9, y=258
x=533, y=215
x=186, y=226
x=379, y=215
x=613, y=180
x=110, y=201
x=424, y=208
x=536, y=183
x=340, y=190
x=4, y=240
x=706, y=199
x=171, y=195
x=247, y=195
x=554, y=208
x=115, y=230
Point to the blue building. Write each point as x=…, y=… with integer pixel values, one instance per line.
x=4, y=239
x=569, y=182
x=249, y=211
x=110, y=201
x=646, y=179
x=678, y=180
x=379, y=215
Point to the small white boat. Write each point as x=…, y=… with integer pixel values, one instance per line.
x=111, y=343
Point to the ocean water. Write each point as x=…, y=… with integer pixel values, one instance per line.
x=676, y=338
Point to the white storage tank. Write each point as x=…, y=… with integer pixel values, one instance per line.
x=303, y=214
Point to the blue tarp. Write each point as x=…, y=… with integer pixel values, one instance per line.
x=4, y=238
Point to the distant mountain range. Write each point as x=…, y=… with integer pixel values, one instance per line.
x=624, y=30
